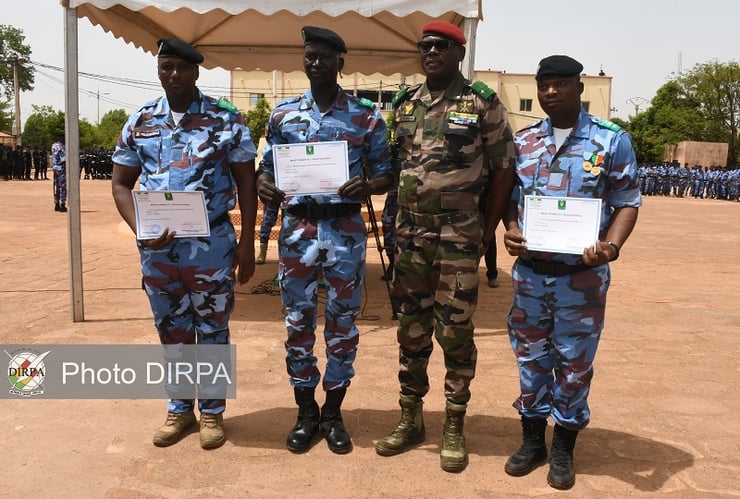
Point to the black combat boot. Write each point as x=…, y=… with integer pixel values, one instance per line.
x=307, y=425
x=62, y=207
x=331, y=423
x=561, y=475
x=56, y=207
x=533, y=450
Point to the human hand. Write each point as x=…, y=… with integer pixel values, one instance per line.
x=514, y=242
x=163, y=240
x=243, y=265
x=356, y=188
x=599, y=254
x=268, y=192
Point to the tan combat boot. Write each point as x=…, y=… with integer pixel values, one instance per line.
x=409, y=430
x=453, y=456
x=263, y=254
x=173, y=428
x=212, y=434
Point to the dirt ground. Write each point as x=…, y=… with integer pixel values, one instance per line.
x=664, y=401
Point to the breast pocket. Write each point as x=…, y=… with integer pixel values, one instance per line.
x=460, y=142
x=295, y=132
x=405, y=134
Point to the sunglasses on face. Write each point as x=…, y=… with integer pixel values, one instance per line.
x=441, y=45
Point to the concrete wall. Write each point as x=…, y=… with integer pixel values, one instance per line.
x=693, y=153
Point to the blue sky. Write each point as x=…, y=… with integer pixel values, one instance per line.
x=639, y=43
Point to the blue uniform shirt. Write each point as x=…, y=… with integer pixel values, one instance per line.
x=195, y=155
x=298, y=119
x=543, y=170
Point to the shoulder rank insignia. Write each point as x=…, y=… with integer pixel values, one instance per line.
x=465, y=106
x=225, y=104
x=608, y=124
x=403, y=93
x=482, y=90
x=400, y=95
x=366, y=102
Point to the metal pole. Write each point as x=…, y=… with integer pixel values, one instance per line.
x=72, y=132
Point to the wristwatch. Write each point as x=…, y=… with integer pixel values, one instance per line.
x=616, y=250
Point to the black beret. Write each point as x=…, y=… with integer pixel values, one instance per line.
x=558, y=66
x=172, y=47
x=314, y=34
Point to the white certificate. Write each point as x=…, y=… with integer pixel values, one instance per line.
x=183, y=212
x=561, y=225
x=311, y=167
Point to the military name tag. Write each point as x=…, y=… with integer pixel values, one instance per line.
x=141, y=134
x=463, y=118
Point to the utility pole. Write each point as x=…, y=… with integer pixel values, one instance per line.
x=98, y=96
x=17, y=89
x=637, y=102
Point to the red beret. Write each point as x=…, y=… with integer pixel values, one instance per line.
x=445, y=29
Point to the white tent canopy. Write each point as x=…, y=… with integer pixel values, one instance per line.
x=381, y=37
x=265, y=34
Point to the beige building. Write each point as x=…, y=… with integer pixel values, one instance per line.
x=517, y=91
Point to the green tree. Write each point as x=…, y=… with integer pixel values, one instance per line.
x=257, y=119
x=672, y=117
x=6, y=118
x=12, y=51
x=42, y=126
x=716, y=87
x=110, y=127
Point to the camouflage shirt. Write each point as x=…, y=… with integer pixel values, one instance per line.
x=194, y=155
x=595, y=161
x=356, y=121
x=446, y=147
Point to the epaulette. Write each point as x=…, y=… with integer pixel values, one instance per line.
x=223, y=103
x=366, y=102
x=608, y=124
x=482, y=90
x=402, y=94
x=531, y=125
x=289, y=100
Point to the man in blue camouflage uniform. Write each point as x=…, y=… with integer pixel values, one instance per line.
x=59, y=169
x=187, y=141
x=453, y=143
x=324, y=233
x=557, y=312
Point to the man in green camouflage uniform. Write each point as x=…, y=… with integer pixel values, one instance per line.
x=452, y=142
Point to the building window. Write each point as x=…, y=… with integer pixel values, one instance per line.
x=253, y=98
x=525, y=104
x=585, y=105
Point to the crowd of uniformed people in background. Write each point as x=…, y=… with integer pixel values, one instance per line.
x=672, y=179
x=21, y=163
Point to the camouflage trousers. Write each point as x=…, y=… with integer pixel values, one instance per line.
x=554, y=327
x=435, y=292
x=269, y=218
x=335, y=250
x=60, y=186
x=190, y=285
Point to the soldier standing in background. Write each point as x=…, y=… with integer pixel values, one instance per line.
x=452, y=144
x=59, y=167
